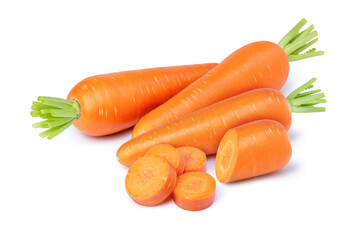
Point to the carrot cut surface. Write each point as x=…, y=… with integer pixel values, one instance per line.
x=194, y=191
x=170, y=154
x=150, y=180
x=253, y=149
x=195, y=159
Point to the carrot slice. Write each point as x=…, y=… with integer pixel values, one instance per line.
x=195, y=159
x=170, y=154
x=150, y=180
x=194, y=191
x=252, y=149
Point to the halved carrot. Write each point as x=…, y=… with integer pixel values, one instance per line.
x=195, y=159
x=108, y=103
x=150, y=180
x=194, y=191
x=170, y=154
x=253, y=149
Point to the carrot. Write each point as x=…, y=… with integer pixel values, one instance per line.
x=204, y=129
x=150, y=180
x=108, y=103
x=195, y=159
x=194, y=191
x=257, y=65
x=170, y=154
x=252, y=149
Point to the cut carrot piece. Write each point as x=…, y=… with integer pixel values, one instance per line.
x=170, y=154
x=150, y=180
x=251, y=150
x=194, y=191
x=195, y=159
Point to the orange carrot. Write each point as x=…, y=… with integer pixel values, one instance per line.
x=194, y=191
x=108, y=103
x=251, y=150
x=195, y=159
x=257, y=65
x=150, y=180
x=204, y=129
x=170, y=154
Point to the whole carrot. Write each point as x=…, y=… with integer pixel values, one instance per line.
x=257, y=65
x=252, y=149
x=204, y=128
x=108, y=103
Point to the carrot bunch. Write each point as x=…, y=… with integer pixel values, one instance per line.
x=261, y=64
x=109, y=103
x=233, y=109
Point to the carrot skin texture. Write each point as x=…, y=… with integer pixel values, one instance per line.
x=139, y=173
x=113, y=102
x=204, y=129
x=194, y=191
x=257, y=65
x=251, y=150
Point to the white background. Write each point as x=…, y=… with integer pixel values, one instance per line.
x=72, y=187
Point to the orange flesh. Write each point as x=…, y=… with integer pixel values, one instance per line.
x=195, y=159
x=150, y=180
x=170, y=154
x=227, y=151
x=253, y=149
x=194, y=191
x=112, y=102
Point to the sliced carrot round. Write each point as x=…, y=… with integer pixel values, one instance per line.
x=195, y=159
x=194, y=191
x=150, y=180
x=170, y=154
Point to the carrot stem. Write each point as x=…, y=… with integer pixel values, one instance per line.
x=303, y=102
x=295, y=42
x=59, y=114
